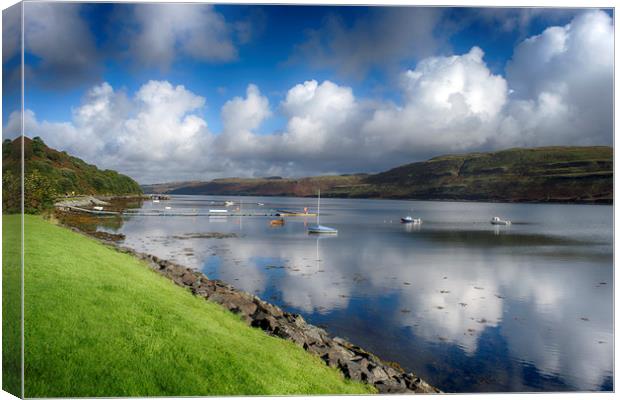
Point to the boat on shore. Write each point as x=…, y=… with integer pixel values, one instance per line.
x=499, y=221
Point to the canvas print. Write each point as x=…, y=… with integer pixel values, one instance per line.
x=234, y=200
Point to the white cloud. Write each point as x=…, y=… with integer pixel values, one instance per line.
x=157, y=134
x=319, y=118
x=240, y=115
x=164, y=31
x=562, y=82
x=451, y=104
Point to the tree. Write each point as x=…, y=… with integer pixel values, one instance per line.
x=39, y=193
x=11, y=193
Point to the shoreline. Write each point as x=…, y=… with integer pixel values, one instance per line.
x=352, y=361
x=327, y=195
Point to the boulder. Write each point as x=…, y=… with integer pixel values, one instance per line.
x=188, y=278
x=264, y=321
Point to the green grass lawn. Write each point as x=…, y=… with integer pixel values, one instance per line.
x=101, y=323
x=11, y=306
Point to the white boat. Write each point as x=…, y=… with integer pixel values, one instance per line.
x=410, y=220
x=261, y=204
x=499, y=221
x=168, y=208
x=318, y=228
x=215, y=211
x=98, y=208
x=229, y=203
x=155, y=201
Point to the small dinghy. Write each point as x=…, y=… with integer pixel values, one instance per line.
x=321, y=229
x=277, y=222
x=499, y=221
x=410, y=220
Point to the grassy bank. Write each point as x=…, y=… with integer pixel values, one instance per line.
x=101, y=323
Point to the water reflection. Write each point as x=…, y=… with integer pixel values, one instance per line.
x=468, y=306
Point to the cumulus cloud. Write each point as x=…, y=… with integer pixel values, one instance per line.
x=557, y=91
x=57, y=35
x=563, y=84
x=156, y=134
x=451, y=104
x=163, y=31
x=381, y=38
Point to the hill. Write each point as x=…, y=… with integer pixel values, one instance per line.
x=49, y=173
x=272, y=186
x=544, y=174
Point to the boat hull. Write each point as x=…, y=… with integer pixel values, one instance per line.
x=319, y=229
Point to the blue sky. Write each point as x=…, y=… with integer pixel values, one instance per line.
x=370, y=64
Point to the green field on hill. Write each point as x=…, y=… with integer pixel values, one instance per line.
x=102, y=323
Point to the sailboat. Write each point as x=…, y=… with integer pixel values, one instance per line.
x=318, y=228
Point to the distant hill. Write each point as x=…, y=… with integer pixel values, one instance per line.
x=271, y=186
x=544, y=174
x=49, y=173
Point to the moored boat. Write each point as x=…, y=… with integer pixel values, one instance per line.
x=318, y=228
x=499, y=221
x=321, y=229
x=410, y=220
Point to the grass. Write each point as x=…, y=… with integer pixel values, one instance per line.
x=101, y=323
x=11, y=306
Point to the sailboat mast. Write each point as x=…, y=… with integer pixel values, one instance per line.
x=318, y=212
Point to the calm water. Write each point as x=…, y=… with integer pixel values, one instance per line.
x=468, y=306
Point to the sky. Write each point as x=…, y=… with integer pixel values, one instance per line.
x=175, y=92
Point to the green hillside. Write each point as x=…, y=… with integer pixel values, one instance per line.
x=544, y=174
x=50, y=173
x=102, y=323
x=563, y=174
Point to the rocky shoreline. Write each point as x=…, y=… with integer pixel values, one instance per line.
x=354, y=362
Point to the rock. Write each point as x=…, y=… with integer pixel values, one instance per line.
x=188, y=278
x=377, y=373
x=269, y=309
x=314, y=334
x=248, y=308
x=264, y=321
x=354, y=370
x=391, y=387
